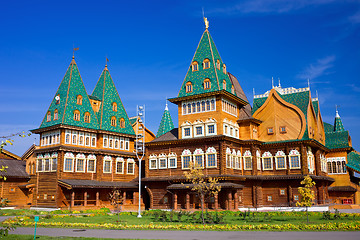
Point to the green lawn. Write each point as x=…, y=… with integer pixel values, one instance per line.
x=31, y=237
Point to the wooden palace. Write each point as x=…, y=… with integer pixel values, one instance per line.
x=258, y=153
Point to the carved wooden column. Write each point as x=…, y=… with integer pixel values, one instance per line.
x=254, y=160
x=229, y=200
x=124, y=197
x=175, y=201
x=97, y=199
x=216, y=201
x=85, y=199
x=303, y=160
x=236, y=201
x=187, y=204
x=254, y=196
x=259, y=196
x=72, y=203
x=317, y=163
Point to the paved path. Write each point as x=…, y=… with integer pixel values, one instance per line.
x=188, y=235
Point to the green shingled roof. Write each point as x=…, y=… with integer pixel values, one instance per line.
x=166, y=124
x=353, y=161
x=71, y=86
x=338, y=125
x=206, y=50
x=106, y=92
x=299, y=99
x=336, y=136
x=316, y=107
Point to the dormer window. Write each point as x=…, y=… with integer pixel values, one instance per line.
x=270, y=130
x=218, y=64
x=224, y=68
x=48, y=116
x=57, y=99
x=207, y=84
x=77, y=115
x=79, y=100
x=122, y=123
x=188, y=87
x=114, y=107
x=56, y=114
x=113, y=121
x=224, y=84
x=195, y=66
x=206, y=63
x=87, y=117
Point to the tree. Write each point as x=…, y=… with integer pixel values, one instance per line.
x=203, y=185
x=116, y=200
x=8, y=140
x=307, y=195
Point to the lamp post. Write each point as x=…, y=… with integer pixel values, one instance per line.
x=140, y=145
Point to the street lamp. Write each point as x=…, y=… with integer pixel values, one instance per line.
x=140, y=145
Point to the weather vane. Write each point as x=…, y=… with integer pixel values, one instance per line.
x=206, y=23
x=74, y=49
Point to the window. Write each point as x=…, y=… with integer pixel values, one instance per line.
x=269, y=198
x=184, y=109
x=185, y=159
x=267, y=161
x=283, y=129
x=195, y=66
x=54, y=164
x=119, y=165
x=80, y=165
x=294, y=157
x=280, y=160
x=258, y=160
x=203, y=106
x=68, y=164
x=172, y=162
x=113, y=121
x=56, y=114
x=122, y=123
x=193, y=107
x=206, y=63
x=247, y=163
x=336, y=165
x=162, y=161
x=91, y=163
x=296, y=197
x=228, y=158
x=77, y=115
x=87, y=117
x=79, y=100
x=207, y=105
x=207, y=84
x=218, y=64
x=57, y=99
x=282, y=192
x=153, y=162
x=212, y=104
x=224, y=68
x=93, y=140
x=199, y=161
x=39, y=165
x=199, y=130
x=127, y=144
x=130, y=166
x=114, y=107
x=188, y=87
x=107, y=164
x=224, y=84
x=211, y=160
x=81, y=140
x=347, y=201
x=187, y=132
x=48, y=116
x=198, y=108
x=211, y=129
x=270, y=131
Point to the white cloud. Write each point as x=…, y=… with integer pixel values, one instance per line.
x=269, y=6
x=355, y=18
x=318, y=69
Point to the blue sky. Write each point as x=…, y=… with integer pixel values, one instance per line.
x=150, y=45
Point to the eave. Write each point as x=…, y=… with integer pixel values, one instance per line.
x=208, y=94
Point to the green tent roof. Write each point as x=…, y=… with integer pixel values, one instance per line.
x=353, y=161
x=335, y=135
x=106, y=92
x=206, y=50
x=166, y=124
x=338, y=125
x=65, y=102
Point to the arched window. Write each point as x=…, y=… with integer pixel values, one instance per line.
x=188, y=87
x=113, y=121
x=56, y=114
x=193, y=107
x=195, y=66
x=247, y=160
x=294, y=157
x=206, y=63
x=185, y=159
x=184, y=108
x=114, y=107
x=87, y=117
x=198, y=109
x=207, y=105
x=267, y=161
x=57, y=99
x=212, y=104
x=79, y=100
x=48, y=116
x=207, y=84
x=224, y=68
x=280, y=160
x=224, y=84
x=203, y=106
x=77, y=115
x=218, y=64
x=189, y=108
x=122, y=123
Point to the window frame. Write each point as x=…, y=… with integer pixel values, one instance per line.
x=294, y=153
x=264, y=156
x=172, y=156
x=130, y=161
x=122, y=162
x=107, y=159
x=91, y=158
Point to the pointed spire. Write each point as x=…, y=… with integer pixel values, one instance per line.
x=166, y=124
x=338, y=125
x=279, y=83
x=272, y=82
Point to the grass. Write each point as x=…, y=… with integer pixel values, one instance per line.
x=31, y=237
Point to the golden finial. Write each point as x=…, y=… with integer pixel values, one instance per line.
x=206, y=23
